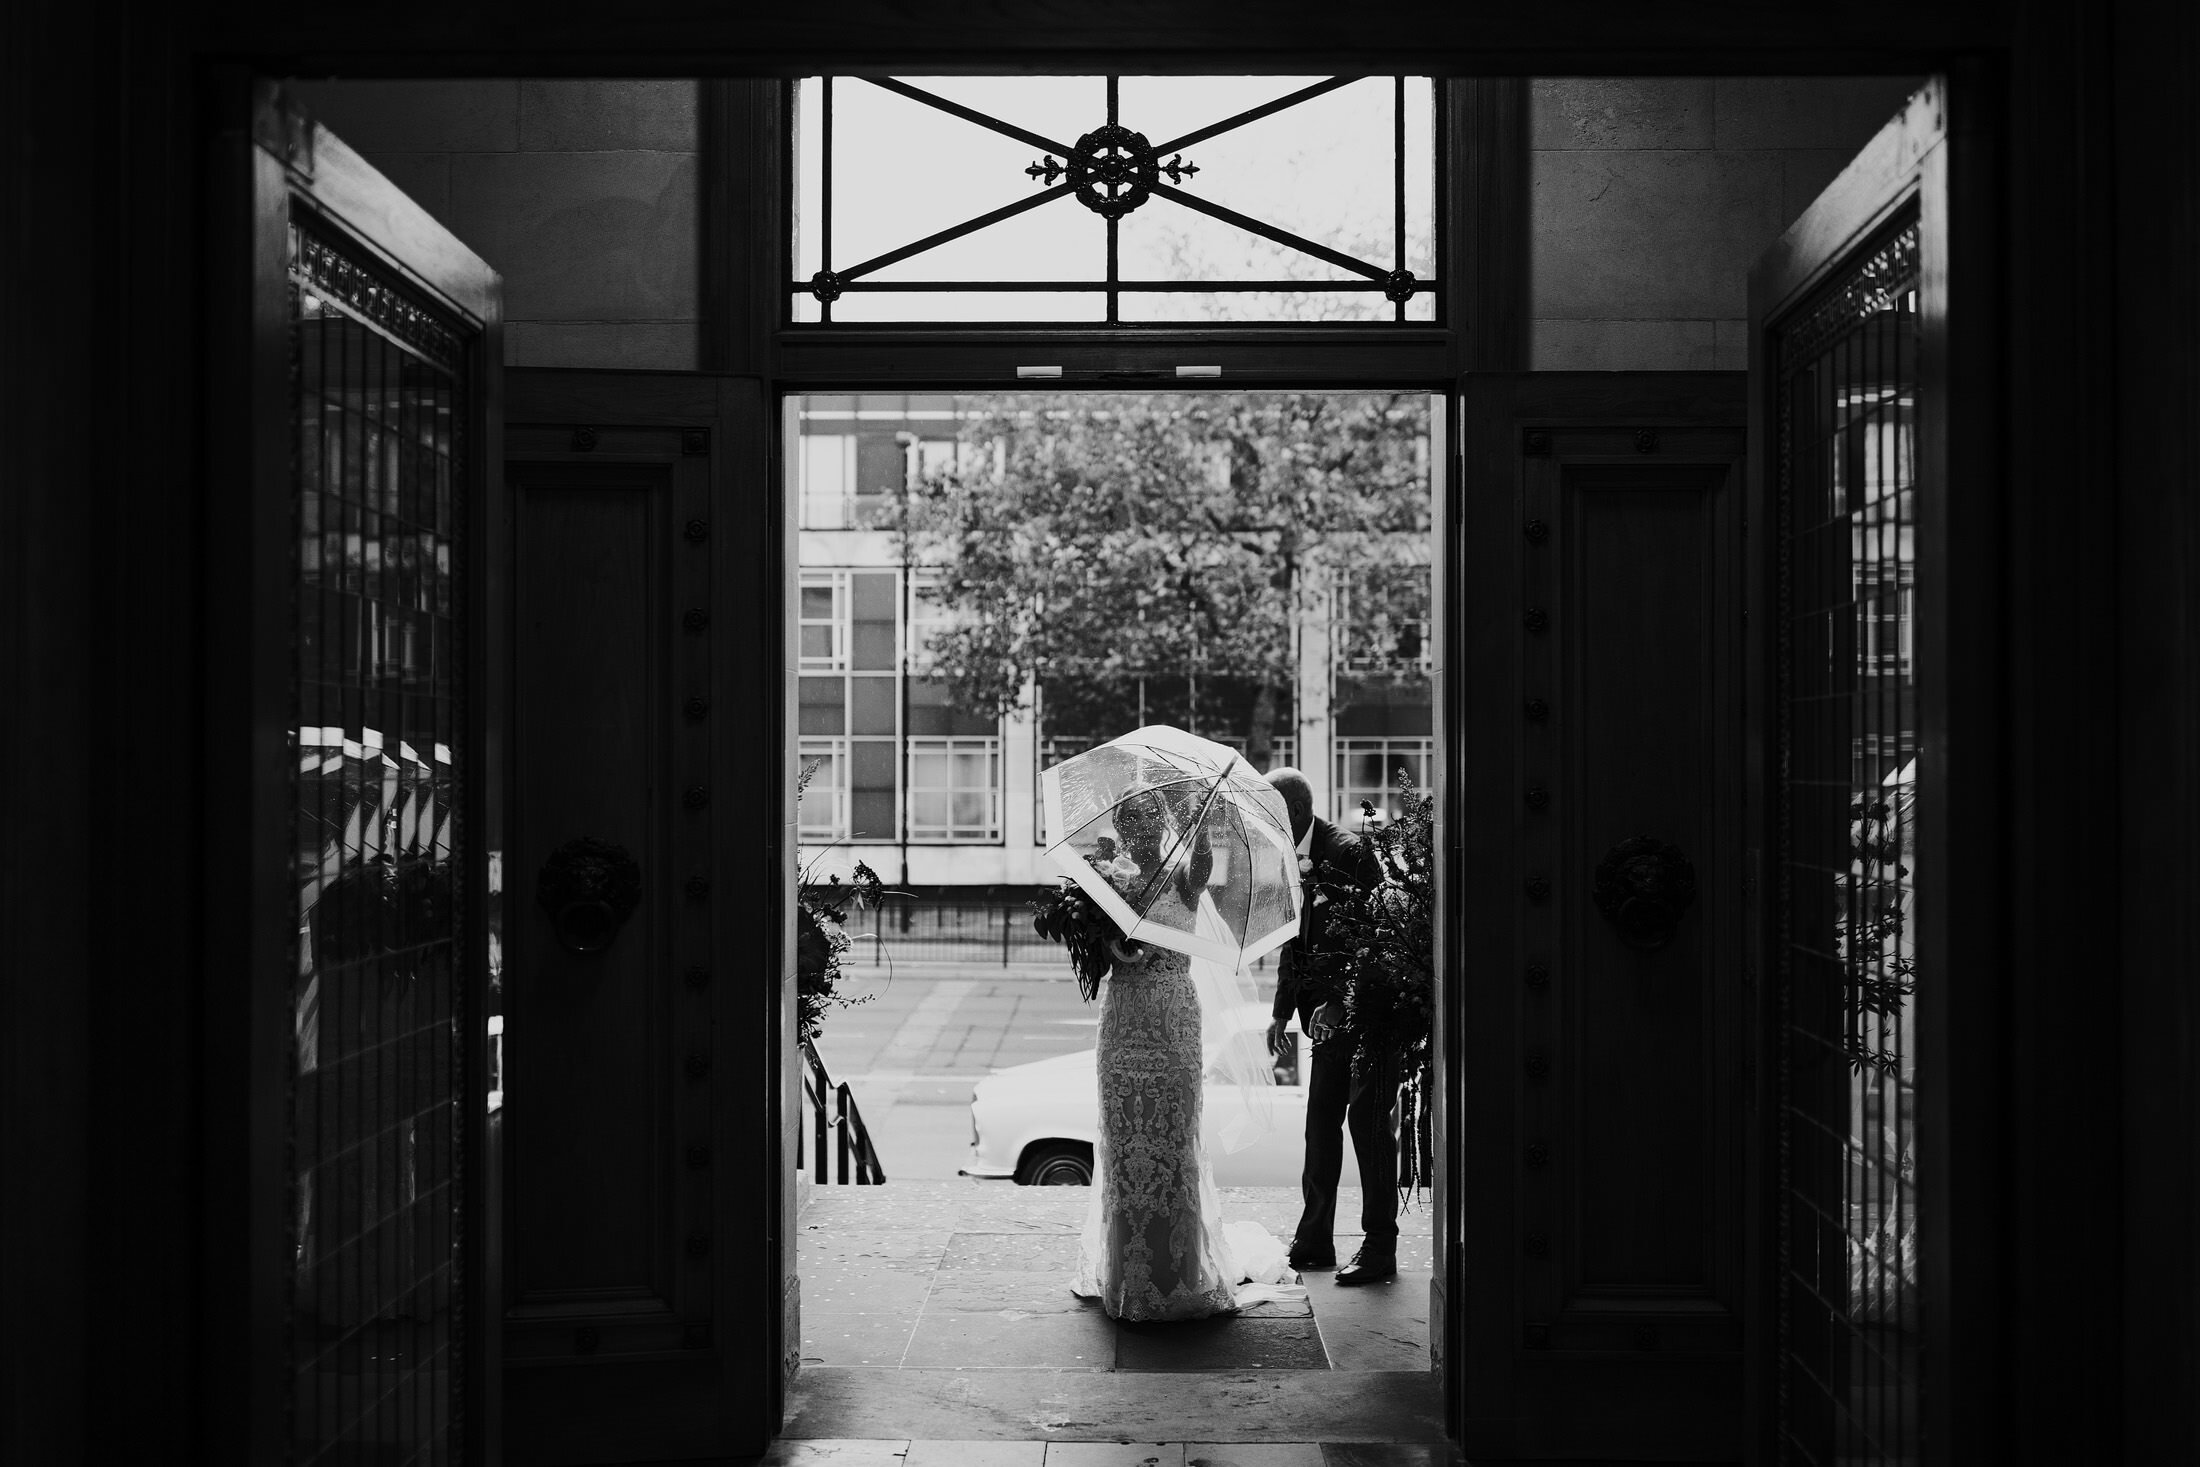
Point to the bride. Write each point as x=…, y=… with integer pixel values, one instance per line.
x=1154, y=1244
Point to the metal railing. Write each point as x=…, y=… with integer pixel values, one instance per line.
x=979, y=932
x=850, y=1145
x=993, y=933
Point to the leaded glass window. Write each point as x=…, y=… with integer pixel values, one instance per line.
x=1114, y=200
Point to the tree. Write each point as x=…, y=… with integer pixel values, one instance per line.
x=1085, y=542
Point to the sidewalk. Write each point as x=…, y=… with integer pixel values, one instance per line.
x=941, y=1311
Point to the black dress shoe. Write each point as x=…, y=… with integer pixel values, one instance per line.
x=1368, y=1268
x=1303, y=1259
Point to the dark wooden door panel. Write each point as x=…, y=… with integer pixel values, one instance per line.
x=586, y=1030
x=1646, y=688
x=1601, y=716
x=635, y=1331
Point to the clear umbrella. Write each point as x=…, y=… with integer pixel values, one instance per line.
x=1180, y=841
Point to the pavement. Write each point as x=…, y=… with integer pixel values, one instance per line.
x=937, y=1321
x=940, y=1312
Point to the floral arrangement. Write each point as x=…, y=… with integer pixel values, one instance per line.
x=1067, y=916
x=821, y=935
x=820, y=938
x=1380, y=942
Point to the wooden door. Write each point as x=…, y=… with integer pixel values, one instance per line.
x=639, y=1175
x=1872, y=329
x=1596, y=820
x=353, y=392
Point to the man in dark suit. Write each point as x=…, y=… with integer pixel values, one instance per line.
x=1335, y=1095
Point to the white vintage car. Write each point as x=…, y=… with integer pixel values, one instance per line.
x=1037, y=1122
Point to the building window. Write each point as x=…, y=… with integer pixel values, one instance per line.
x=1368, y=769
x=928, y=617
x=1052, y=751
x=825, y=473
x=955, y=789
x=824, y=621
x=825, y=798
x=1886, y=614
x=851, y=692
x=846, y=480
x=1283, y=749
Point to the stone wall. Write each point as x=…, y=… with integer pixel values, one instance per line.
x=582, y=194
x=1652, y=197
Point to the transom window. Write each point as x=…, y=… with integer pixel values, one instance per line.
x=1114, y=200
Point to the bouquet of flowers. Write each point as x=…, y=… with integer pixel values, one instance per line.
x=1383, y=937
x=1067, y=916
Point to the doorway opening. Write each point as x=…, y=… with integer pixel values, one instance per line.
x=988, y=584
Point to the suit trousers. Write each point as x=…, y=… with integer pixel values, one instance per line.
x=1335, y=1098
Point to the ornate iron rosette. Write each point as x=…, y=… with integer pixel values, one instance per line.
x=1114, y=170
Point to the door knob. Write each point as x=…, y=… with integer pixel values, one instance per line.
x=1643, y=885
x=588, y=888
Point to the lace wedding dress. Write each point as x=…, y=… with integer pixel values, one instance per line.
x=1155, y=1246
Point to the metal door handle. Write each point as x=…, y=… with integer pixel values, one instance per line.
x=1643, y=885
x=588, y=887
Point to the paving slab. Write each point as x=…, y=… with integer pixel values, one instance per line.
x=1253, y=1454
x=862, y=1287
x=1011, y=1252
x=1034, y=1291
x=1024, y=1405
x=976, y=1454
x=786, y=1453
x=877, y=1341
x=1294, y=1308
x=947, y=1339
x=1391, y=1454
x=1377, y=1326
x=1226, y=1344
x=913, y=1248
x=1115, y=1454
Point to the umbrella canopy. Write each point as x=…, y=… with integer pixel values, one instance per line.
x=1180, y=841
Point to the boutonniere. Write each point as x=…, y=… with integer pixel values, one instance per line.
x=1306, y=865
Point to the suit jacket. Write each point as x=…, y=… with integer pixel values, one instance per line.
x=1335, y=853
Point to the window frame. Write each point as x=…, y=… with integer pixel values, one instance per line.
x=1481, y=178
x=827, y=284
x=1344, y=746
x=914, y=745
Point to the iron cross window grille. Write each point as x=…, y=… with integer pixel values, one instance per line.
x=1112, y=171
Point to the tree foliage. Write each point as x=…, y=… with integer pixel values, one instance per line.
x=1083, y=542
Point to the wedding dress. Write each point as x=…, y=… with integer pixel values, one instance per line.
x=1154, y=1244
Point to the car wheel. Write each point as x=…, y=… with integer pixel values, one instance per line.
x=1056, y=1164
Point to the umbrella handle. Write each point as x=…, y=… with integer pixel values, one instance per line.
x=1134, y=958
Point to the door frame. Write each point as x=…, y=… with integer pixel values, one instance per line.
x=267, y=162
x=130, y=274
x=1938, y=159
